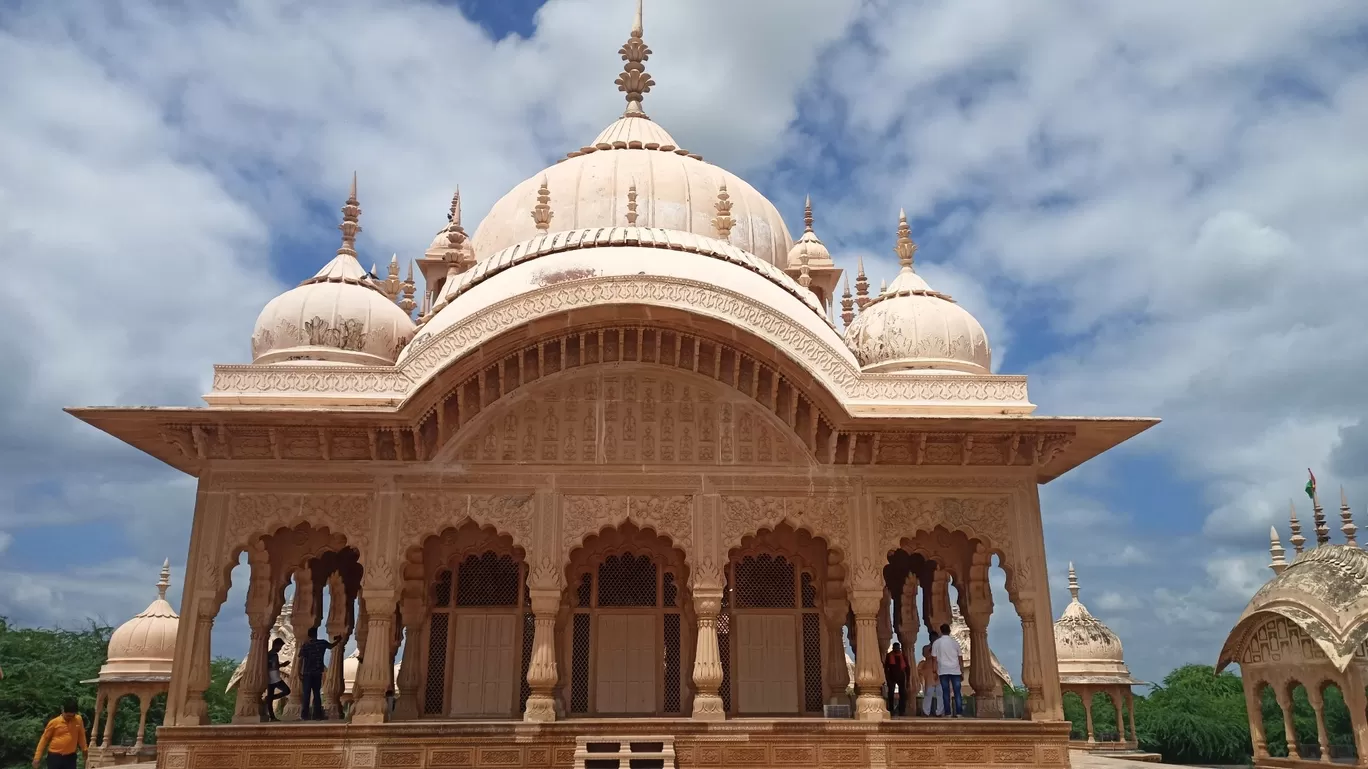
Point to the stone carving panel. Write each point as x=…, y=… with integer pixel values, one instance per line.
x=1279, y=642
x=426, y=513
x=255, y=514
x=583, y=515
x=985, y=518
x=826, y=517
x=643, y=417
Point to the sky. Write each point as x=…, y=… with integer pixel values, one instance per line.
x=1155, y=209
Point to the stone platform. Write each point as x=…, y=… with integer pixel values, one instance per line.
x=791, y=743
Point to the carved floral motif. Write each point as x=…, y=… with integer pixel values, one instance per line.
x=825, y=517
x=428, y=513
x=672, y=516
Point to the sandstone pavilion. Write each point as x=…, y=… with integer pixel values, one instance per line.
x=1307, y=627
x=623, y=485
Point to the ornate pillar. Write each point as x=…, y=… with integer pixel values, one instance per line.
x=261, y=612
x=1130, y=714
x=983, y=680
x=910, y=621
x=542, y=675
x=197, y=678
x=108, y=741
x=869, y=705
x=303, y=618
x=1086, y=696
x=201, y=596
x=940, y=600
x=1254, y=707
x=1030, y=660
x=144, y=701
x=1118, y=702
x=95, y=724
x=1317, y=698
x=376, y=672
x=707, y=669
x=883, y=624
x=413, y=612
x=339, y=600
x=836, y=608
x=1284, y=699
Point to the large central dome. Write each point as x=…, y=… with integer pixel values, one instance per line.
x=635, y=173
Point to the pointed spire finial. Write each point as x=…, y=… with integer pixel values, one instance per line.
x=847, y=305
x=1073, y=581
x=456, y=236
x=906, y=248
x=861, y=284
x=883, y=286
x=541, y=213
x=165, y=581
x=1275, y=549
x=807, y=214
x=1347, y=526
x=351, y=218
x=723, y=222
x=634, y=81
x=407, y=290
x=1318, y=516
x=632, y=204
x=1297, y=540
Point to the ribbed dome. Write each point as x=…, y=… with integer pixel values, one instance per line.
x=673, y=191
x=1087, y=650
x=143, y=647
x=339, y=315
x=909, y=326
x=809, y=245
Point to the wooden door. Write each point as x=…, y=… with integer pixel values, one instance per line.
x=484, y=666
x=767, y=664
x=625, y=680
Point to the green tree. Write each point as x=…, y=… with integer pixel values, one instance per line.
x=1195, y=717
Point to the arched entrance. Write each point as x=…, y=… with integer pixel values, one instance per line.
x=625, y=627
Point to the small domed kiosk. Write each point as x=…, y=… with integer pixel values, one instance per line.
x=138, y=665
x=1091, y=662
x=1306, y=626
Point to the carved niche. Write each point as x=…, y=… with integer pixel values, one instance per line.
x=1279, y=642
x=631, y=415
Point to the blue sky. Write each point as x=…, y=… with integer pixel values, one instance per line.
x=1155, y=209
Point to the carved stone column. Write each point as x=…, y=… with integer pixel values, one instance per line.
x=883, y=624
x=303, y=617
x=144, y=701
x=1086, y=695
x=413, y=612
x=373, y=679
x=1354, y=698
x=541, y=671
x=707, y=669
x=95, y=724
x=1289, y=726
x=109, y=721
x=197, y=680
x=1313, y=693
x=987, y=693
x=910, y=619
x=1118, y=702
x=940, y=600
x=260, y=618
x=838, y=678
x=338, y=601
x=1030, y=660
x=1130, y=715
x=869, y=705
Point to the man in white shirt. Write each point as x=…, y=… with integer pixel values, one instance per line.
x=950, y=667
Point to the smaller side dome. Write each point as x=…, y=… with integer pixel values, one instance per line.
x=339, y=315
x=1087, y=650
x=143, y=647
x=909, y=326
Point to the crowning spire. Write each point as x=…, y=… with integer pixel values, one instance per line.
x=165, y=581
x=406, y=302
x=723, y=221
x=541, y=213
x=847, y=305
x=456, y=236
x=1073, y=582
x=1347, y=521
x=1297, y=540
x=807, y=214
x=906, y=248
x=632, y=205
x=861, y=284
x=1318, y=515
x=351, y=218
x=1275, y=549
x=634, y=81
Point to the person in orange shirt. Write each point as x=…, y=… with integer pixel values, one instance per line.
x=63, y=737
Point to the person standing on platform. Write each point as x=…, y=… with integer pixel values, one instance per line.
x=932, y=704
x=311, y=669
x=950, y=668
x=62, y=738
x=276, y=688
x=895, y=675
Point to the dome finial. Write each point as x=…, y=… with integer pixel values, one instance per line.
x=807, y=214
x=861, y=284
x=906, y=248
x=541, y=213
x=1073, y=582
x=634, y=81
x=1297, y=540
x=1275, y=549
x=1318, y=514
x=351, y=217
x=165, y=581
x=723, y=222
x=847, y=305
x=456, y=237
x=1347, y=521
x=632, y=204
